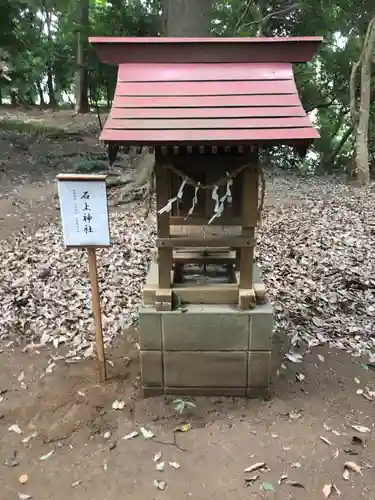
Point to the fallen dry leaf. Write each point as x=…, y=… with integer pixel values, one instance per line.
x=31, y=436
x=175, y=465
x=146, y=433
x=294, y=357
x=352, y=466
x=296, y=484
x=346, y=475
x=160, y=466
x=183, y=428
x=300, y=377
x=47, y=455
x=254, y=467
x=132, y=435
x=360, y=428
x=283, y=478
x=23, y=479
x=76, y=483
x=15, y=428
x=107, y=435
x=327, y=490
x=160, y=485
x=325, y=440
x=321, y=358
x=294, y=415
x=350, y=451
x=296, y=465
x=157, y=456
x=24, y=496
x=251, y=480
x=118, y=405
x=336, y=453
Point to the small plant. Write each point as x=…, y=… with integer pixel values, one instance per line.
x=180, y=405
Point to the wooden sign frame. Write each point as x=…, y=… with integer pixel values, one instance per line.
x=93, y=272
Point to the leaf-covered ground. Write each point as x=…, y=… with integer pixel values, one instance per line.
x=45, y=291
x=315, y=248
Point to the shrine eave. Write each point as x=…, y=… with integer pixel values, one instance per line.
x=238, y=96
x=119, y=50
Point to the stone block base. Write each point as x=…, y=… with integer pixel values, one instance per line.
x=208, y=350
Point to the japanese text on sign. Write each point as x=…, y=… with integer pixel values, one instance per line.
x=84, y=212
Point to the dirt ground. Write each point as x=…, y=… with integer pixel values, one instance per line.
x=72, y=416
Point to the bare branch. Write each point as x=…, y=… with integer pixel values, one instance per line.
x=242, y=17
x=321, y=105
x=275, y=13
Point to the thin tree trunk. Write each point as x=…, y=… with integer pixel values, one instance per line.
x=82, y=98
x=50, y=83
x=50, y=87
x=361, y=114
x=42, y=102
x=332, y=157
x=190, y=18
x=108, y=95
x=13, y=98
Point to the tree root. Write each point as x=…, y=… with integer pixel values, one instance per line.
x=129, y=187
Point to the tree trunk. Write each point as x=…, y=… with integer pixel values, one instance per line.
x=82, y=98
x=188, y=18
x=13, y=98
x=42, y=102
x=50, y=84
x=108, y=95
x=51, y=88
x=328, y=162
x=361, y=113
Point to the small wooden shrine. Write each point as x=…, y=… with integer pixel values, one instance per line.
x=206, y=106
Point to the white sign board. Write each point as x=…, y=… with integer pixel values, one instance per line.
x=84, y=210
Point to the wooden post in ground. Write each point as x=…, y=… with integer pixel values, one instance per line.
x=93, y=272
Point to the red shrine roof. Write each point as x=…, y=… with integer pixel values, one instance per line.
x=186, y=91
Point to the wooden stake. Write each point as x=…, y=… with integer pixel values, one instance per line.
x=93, y=272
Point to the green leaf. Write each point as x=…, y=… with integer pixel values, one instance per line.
x=364, y=367
x=268, y=487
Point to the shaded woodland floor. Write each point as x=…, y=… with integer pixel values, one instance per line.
x=71, y=439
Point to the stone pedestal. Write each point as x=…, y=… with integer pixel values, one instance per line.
x=206, y=350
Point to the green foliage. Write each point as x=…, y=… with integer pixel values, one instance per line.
x=31, y=127
x=180, y=405
x=39, y=38
x=90, y=165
